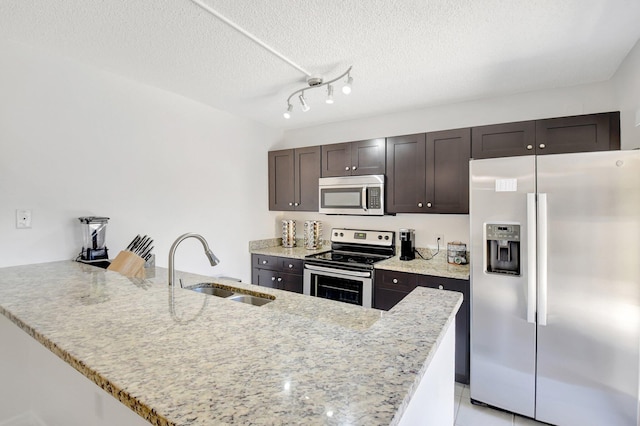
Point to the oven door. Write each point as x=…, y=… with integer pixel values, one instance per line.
x=355, y=287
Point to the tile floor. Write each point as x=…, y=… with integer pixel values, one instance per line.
x=468, y=414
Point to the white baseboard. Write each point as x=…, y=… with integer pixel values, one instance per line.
x=24, y=419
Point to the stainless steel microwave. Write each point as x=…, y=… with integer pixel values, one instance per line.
x=356, y=195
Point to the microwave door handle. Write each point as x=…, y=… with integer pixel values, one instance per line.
x=365, y=202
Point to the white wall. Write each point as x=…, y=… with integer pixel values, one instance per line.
x=78, y=141
x=592, y=98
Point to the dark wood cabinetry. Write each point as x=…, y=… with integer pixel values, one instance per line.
x=365, y=157
x=391, y=287
x=293, y=179
x=580, y=133
x=277, y=272
x=429, y=173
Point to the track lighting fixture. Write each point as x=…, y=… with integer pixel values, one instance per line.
x=315, y=82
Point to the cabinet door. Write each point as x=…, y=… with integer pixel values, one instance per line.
x=447, y=183
x=307, y=172
x=503, y=140
x=290, y=282
x=406, y=174
x=281, y=177
x=266, y=278
x=463, y=319
x=593, y=132
x=336, y=159
x=390, y=287
x=368, y=157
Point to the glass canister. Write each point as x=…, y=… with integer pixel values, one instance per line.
x=288, y=233
x=312, y=234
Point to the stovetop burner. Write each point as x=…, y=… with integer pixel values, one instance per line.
x=356, y=249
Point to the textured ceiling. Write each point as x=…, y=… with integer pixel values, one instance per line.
x=405, y=53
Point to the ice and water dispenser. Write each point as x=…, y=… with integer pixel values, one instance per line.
x=502, y=248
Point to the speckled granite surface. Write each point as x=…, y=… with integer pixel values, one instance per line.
x=437, y=266
x=202, y=360
x=273, y=247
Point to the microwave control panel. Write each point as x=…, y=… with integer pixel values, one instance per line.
x=374, y=198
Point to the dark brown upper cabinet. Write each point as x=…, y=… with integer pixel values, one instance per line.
x=365, y=157
x=580, y=133
x=429, y=173
x=503, y=140
x=293, y=179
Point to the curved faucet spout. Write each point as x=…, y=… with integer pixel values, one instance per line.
x=172, y=253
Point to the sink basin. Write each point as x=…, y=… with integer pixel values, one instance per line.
x=213, y=291
x=251, y=300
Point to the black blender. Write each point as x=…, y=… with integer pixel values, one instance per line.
x=94, y=229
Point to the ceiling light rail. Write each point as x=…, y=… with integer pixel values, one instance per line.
x=316, y=82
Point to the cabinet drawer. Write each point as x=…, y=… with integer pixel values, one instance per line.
x=398, y=281
x=293, y=266
x=267, y=262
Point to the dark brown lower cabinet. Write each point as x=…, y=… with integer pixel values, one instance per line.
x=282, y=273
x=390, y=287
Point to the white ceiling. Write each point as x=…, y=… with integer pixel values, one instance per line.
x=405, y=53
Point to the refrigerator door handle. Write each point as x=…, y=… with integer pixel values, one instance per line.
x=531, y=258
x=542, y=259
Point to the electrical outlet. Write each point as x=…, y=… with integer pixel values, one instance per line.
x=23, y=219
x=438, y=240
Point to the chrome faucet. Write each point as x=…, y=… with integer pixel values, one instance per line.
x=172, y=253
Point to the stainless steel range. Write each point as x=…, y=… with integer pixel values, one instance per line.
x=346, y=272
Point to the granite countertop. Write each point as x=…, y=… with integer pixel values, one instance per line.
x=200, y=360
x=436, y=265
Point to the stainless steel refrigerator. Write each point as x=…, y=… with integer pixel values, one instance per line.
x=555, y=286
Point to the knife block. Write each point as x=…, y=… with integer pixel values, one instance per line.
x=128, y=264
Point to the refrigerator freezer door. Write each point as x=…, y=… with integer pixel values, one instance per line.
x=502, y=340
x=588, y=351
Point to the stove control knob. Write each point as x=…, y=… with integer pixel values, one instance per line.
x=342, y=234
x=335, y=234
x=379, y=237
x=386, y=237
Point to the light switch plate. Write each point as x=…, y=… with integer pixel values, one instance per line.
x=23, y=219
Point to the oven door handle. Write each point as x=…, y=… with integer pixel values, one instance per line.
x=338, y=271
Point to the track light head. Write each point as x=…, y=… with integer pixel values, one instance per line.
x=329, y=99
x=346, y=89
x=303, y=102
x=287, y=113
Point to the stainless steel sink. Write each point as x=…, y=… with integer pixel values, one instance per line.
x=249, y=299
x=213, y=291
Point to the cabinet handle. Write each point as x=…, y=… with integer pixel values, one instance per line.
x=290, y=204
x=429, y=205
x=279, y=279
x=290, y=266
x=264, y=262
x=353, y=167
x=542, y=146
x=419, y=204
x=529, y=147
x=441, y=287
x=395, y=281
x=273, y=278
x=347, y=168
x=296, y=204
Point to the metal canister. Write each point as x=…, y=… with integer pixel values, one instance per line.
x=288, y=233
x=457, y=253
x=312, y=234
